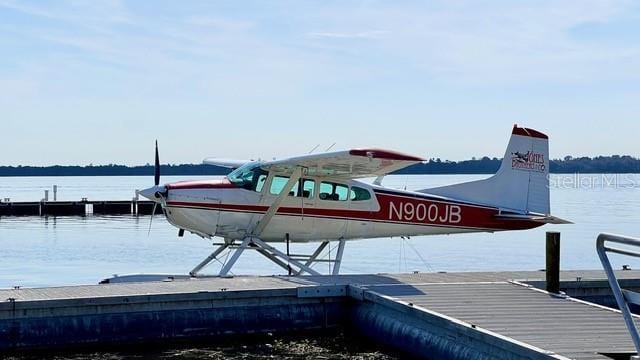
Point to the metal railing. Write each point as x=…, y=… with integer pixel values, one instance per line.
x=623, y=297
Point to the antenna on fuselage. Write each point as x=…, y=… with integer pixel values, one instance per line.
x=314, y=149
x=329, y=148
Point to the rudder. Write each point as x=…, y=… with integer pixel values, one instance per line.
x=521, y=183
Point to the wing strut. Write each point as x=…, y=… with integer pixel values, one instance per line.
x=295, y=176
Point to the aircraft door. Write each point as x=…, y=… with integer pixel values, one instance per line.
x=331, y=204
x=361, y=201
x=296, y=212
x=307, y=198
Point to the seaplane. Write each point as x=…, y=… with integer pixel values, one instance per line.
x=322, y=198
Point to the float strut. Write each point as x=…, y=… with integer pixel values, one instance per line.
x=209, y=259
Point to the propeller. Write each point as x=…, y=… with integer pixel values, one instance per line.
x=156, y=175
x=156, y=182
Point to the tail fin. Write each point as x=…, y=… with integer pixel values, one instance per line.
x=521, y=184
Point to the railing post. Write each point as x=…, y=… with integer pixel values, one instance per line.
x=553, y=262
x=613, y=281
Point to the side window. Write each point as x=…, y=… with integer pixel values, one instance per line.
x=294, y=189
x=359, y=194
x=342, y=191
x=277, y=184
x=326, y=189
x=308, y=187
x=333, y=191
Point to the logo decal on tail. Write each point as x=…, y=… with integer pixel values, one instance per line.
x=528, y=161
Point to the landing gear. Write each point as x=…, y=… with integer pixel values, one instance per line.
x=294, y=264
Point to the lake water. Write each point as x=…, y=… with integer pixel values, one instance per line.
x=39, y=251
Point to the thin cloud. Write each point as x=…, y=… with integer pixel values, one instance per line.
x=220, y=23
x=375, y=34
x=85, y=13
x=26, y=9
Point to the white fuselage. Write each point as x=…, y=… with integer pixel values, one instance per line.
x=219, y=208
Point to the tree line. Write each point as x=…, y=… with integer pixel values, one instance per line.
x=484, y=165
x=616, y=164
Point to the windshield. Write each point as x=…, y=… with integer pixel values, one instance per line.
x=249, y=176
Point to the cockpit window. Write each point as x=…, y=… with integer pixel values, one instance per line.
x=249, y=176
x=262, y=178
x=278, y=183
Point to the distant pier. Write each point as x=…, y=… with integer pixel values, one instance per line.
x=78, y=208
x=497, y=315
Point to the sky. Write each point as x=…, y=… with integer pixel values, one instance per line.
x=96, y=82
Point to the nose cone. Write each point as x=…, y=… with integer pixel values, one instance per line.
x=154, y=193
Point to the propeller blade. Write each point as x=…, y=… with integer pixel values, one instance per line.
x=153, y=213
x=156, y=176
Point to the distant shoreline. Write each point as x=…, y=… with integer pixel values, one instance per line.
x=616, y=164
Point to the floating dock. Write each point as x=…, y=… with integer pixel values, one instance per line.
x=497, y=315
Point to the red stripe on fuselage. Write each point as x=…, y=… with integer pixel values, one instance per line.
x=443, y=213
x=393, y=209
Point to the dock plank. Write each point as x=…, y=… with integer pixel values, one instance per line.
x=146, y=288
x=563, y=326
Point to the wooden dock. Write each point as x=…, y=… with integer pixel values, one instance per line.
x=489, y=315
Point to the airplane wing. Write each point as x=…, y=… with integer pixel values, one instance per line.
x=228, y=163
x=356, y=163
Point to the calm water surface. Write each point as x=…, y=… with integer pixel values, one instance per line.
x=38, y=251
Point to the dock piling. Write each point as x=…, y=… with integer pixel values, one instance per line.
x=553, y=262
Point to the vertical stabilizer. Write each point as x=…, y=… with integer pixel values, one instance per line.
x=522, y=182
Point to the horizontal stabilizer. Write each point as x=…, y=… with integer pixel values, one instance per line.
x=546, y=219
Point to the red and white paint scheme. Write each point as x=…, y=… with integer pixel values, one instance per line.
x=317, y=198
